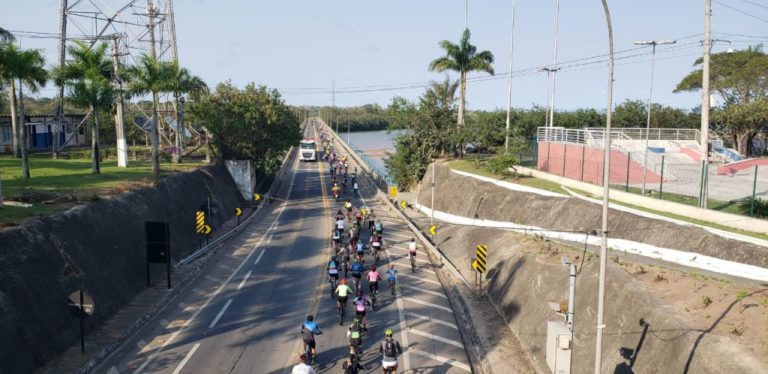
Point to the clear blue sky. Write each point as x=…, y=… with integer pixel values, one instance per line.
x=299, y=44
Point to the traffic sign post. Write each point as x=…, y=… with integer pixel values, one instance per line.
x=199, y=221
x=479, y=263
x=83, y=302
x=433, y=232
x=393, y=192
x=403, y=204
x=238, y=213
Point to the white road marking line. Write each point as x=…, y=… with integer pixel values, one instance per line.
x=182, y=305
x=141, y=344
x=276, y=225
x=245, y=279
x=417, y=301
x=199, y=291
x=418, y=278
x=444, y=360
x=432, y=320
x=269, y=239
x=186, y=358
x=400, y=235
x=113, y=370
x=436, y=338
x=221, y=313
x=187, y=323
x=259, y=257
x=164, y=323
x=418, y=269
x=213, y=279
x=416, y=289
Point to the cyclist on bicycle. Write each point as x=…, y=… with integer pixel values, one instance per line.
x=392, y=275
x=336, y=237
x=361, y=303
x=412, y=247
x=373, y=280
x=364, y=212
x=371, y=220
x=340, y=224
x=308, y=331
x=333, y=270
x=339, y=215
x=348, y=207
x=376, y=243
x=378, y=227
x=355, y=334
x=358, y=215
x=357, y=272
x=360, y=251
x=355, y=189
x=390, y=349
x=302, y=367
x=352, y=364
x=342, y=292
x=336, y=191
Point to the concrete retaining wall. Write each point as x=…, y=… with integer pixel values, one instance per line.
x=99, y=247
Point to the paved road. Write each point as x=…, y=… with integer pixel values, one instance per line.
x=242, y=314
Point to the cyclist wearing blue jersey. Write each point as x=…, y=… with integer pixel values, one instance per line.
x=308, y=331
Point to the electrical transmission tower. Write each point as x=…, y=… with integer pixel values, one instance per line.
x=130, y=27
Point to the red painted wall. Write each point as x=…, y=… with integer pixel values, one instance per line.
x=566, y=160
x=733, y=167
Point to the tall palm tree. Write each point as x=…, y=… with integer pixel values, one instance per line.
x=462, y=58
x=6, y=36
x=9, y=55
x=183, y=82
x=151, y=76
x=87, y=78
x=28, y=69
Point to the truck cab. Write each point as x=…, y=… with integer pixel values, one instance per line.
x=307, y=150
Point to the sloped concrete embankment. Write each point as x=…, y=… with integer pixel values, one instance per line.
x=487, y=201
x=99, y=247
x=522, y=281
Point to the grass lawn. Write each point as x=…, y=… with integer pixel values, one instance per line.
x=52, y=178
x=474, y=167
x=723, y=206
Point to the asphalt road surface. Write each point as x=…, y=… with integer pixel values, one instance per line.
x=243, y=313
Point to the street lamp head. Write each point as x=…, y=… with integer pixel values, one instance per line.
x=654, y=42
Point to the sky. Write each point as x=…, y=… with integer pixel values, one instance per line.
x=375, y=50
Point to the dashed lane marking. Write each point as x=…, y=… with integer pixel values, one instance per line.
x=444, y=360
x=417, y=301
x=418, y=278
x=270, y=238
x=259, y=257
x=436, y=337
x=416, y=289
x=221, y=313
x=245, y=279
x=432, y=320
x=186, y=358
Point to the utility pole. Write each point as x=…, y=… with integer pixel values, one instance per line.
x=122, y=145
x=509, y=90
x=705, y=105
x=554, y=68
x=466, y=11
x=333, y=106
x=432, y=205
x=62, y=57
x=154, y=127
x=606, y=182
x=172, y=19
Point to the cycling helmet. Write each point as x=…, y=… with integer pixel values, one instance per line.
x=333, y=258
x=310, y=318
x=392, y=266
x=343, y=280
x=359, y=293
x=373, y=268
x=388, y=332
x=357, y=319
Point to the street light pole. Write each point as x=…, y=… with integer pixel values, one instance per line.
x=606, y=180
x=705, y=105
x=653, y=44
x=554, y=69
x=509, y=92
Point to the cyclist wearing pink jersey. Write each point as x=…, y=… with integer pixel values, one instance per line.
x=373, y=280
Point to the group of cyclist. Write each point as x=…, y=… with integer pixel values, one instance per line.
x=341, y=175
x=347, y=247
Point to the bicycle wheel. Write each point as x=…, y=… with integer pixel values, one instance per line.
x=392, y=287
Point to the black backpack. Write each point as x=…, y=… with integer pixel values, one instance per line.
x=389, y=348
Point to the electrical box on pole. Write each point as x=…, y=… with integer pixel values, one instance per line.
x=559, y=347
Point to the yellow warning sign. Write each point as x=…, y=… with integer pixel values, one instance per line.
x=199, y=221
x=393, y=192
x=238, y=212
x=256, y=197
x=207, y=230
x=433, y=229
x=403, y=204
x=481, y=254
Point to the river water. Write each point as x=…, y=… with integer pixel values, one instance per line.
x=375, y=145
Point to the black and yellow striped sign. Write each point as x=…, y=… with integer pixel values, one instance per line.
x=200, y=221
x=481, y=255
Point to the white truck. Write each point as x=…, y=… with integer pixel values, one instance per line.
x=307, y=150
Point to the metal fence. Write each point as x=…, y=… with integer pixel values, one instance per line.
x=673, y=170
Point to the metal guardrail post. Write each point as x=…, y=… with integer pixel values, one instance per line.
x=754, y=191
x=661, y=182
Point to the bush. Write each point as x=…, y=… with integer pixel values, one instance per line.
x=761, y=207
x=500, y=164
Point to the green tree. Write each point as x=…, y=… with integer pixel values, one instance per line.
x=739, y=78
x=462, y=58
x=6, y=36
x=183, y=82
x=630, y=113
x=399, y=113
x=26, y=67
x=150, y=76
x=87, y=78
x=249, y=124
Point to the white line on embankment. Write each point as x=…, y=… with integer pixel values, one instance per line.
x=269, y=240
x=245, y=279
x=186, y=358
x=442, y=359
x=436, y=338
x=221, y=313
x=188, y=322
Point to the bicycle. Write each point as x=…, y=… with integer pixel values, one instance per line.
x=342, y=307
x=374, y=292
x=392, y=286
x=413, y=261
x=334, y=283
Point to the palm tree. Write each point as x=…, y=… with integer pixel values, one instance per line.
x=183, y=82
x=151, y=76
x=6, y=36
x=87, y=78
x=462, y=58
x=27, y=67
x=8, y=56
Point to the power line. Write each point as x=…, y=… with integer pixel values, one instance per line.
x=741, y=11
x=755, y=4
